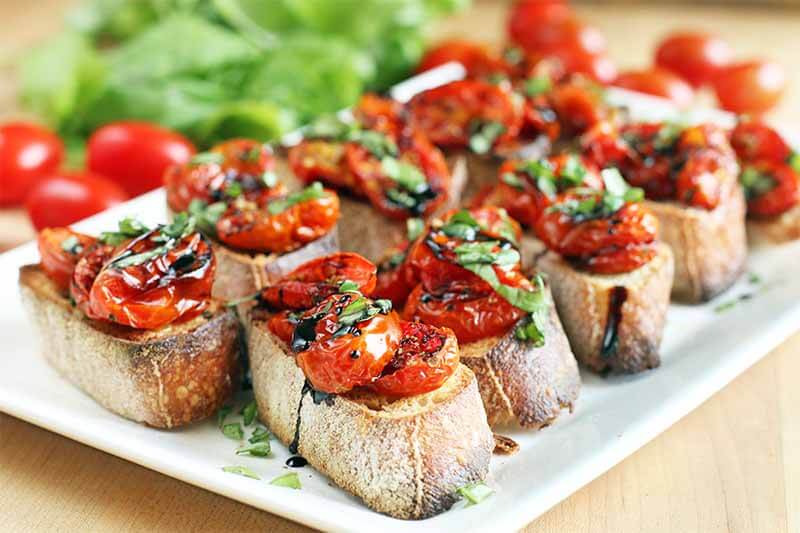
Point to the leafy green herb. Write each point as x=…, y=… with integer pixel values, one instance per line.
x=222, y=414
x=532, y=329
x=125, y=261
x=475, y=493
x=207, y=158
x=484, y=252
x=414, y=228
x=234, y=190
x=725, y=306
x=667, y=135
x=359, y=310
x=182, y=225
x=129, y=228
x=241, y=471
x=289, y=480
x=259, y=435
x=249, y=412
x=754, y=278
x=378, y=144
x=509, y=178
x=755, y=183
x=794, y=161
x=71, y=245
x=312, y=192
x=257, y=449
x=348, y=286
x=537, y=85
x=484, y=134
x=573, y=171
x=233, y=431
x=513, y=55
x=401, y=198
x=270, y=179
x=243, y=299
x=207, y=215
x=462, y=225
x=408, y=176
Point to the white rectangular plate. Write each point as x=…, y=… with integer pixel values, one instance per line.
x=702, y=351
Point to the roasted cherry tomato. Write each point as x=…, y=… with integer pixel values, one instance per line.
x=253, y=226
x=138, y=289
x=578, y=105
x=425, y=358
x=755, y=140
x=238, y=167
x=696, y=57
x=67, y=197
x=597, y=67
x=467, y=113
x=548, y=26
x=393, y=280
x=602, y=145
x=616, y=244
x=750, y=88
x=519, y=188
x=472, y=311
x=28, y=153
x=771, y=187
x=478, y=60
x=336, y=360
x=374, y=112
x=321, y=160
x=698, y=182
x=658, y=82
x=86, y=271
x=60, y=249
x=319, y=278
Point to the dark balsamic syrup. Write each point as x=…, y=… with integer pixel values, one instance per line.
x=616, y=299
x=296, y=461
x=317, y=397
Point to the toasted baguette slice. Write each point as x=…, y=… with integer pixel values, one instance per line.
x=165, y=378
x=364, y=230
x=613, y=322
x=404, y=458
x=774, y=230
x=522, y=385
x=710, y=247
x=240, y=274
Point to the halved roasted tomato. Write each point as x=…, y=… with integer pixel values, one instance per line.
x=60, y=250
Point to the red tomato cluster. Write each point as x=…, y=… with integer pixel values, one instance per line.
x=124, y=159
x=770, y=172
x=344, y=340
x=129, y=284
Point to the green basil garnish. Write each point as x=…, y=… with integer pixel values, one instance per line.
x=312, y=192
x=241, y=471
x=233, y=431
x=475, y=493
x=537, y=85
x=257, y=449
x=288, y=480
x=484, y=134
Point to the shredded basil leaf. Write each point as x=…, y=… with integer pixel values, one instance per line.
x=484, y=135
x=537, y=85
x=207, y=158
x=233, y=431
x=249, y=412
x=241, y=471
x=257, y=449
x=312, y=192
x=71, y=245
x=289, y=480
x=794, y=161
x=259, y=435
x=222, y=414
x=475, y=493
x=129, y=228
x=348, y=286
x=414, y=228
x=755, y=183
x=207, y=215
x=408, y=176
x=509, y=178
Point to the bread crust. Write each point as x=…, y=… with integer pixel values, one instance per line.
x=404, y=458
x=710, y=247
x=368, y=232
x=522, y=385
x=585, y=304
x=774, y=230
x=164, y=378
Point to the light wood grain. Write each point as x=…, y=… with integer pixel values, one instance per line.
x=731, y=465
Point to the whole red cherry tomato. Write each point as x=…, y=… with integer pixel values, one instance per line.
x=598, y=67
x=658, y=82
x=27, y=153
x=771, y=187
x=335, y=360
x=578, y=105
x=754, y=139
x=478, y=60
x=425, y=358
x=311, y=282
x=697, y=183
x=154, y=291
x=527, y=18
x=375, y=112
x=750, y=88
x=321, y=160
x=67, y=197
x=136, y=154
x=60, y=249
x=696, y=57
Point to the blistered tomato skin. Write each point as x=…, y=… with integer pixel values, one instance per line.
x=754, y=140
x=60, y=250
x=318, y=279
x=169, y=287
x=86, y=271
x=250, y=226
x=423, y=361
x=321, y=160
x=241, y=161
x=784, y=194
x=338, y=363
x=477, y=59
x=614, y=245
x=28, y=153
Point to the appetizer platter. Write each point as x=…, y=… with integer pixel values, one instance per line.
x=422, y=364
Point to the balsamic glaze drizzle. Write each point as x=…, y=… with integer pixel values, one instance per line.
x=317, y=397
x=296, y=461
x=616, y=298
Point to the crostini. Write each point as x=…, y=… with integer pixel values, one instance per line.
x=770, y=177
x=261, y=225
x=689, y=175
x=611, y=278
x=128, y=318
x=386, y=171
x=463, y=272
x=380, y=405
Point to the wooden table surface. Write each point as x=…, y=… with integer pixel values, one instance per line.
x=731, y=465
